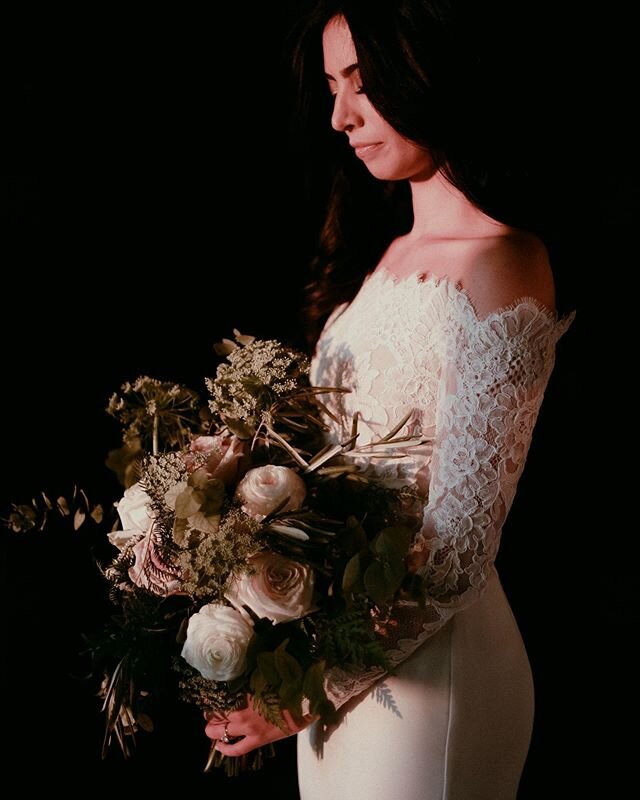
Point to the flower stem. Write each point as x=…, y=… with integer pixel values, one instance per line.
x=156, y=423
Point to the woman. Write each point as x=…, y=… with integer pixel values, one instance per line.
x=446, y=312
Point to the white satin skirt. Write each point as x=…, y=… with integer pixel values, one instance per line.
x=462, y=727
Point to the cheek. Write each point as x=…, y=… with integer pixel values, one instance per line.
x=414, y=158
x=400, y=161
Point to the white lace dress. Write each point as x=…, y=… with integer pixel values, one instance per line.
x=454, y=720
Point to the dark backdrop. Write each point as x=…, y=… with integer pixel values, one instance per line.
x=157, y=206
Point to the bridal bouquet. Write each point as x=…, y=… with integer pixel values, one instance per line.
x=252, y=555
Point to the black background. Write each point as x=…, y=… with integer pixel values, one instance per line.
x=156, y=207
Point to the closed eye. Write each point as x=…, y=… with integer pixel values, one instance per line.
x=359, y=90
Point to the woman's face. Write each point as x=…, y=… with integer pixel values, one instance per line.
x=387, y=154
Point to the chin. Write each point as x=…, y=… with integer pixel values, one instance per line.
x=390, y=170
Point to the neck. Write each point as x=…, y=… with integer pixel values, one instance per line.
x=440, y=211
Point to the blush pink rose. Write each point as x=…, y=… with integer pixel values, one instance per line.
x=263, y=489
x=279, y=589
x=225, y=456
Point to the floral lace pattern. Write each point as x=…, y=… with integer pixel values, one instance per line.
x=474, y=387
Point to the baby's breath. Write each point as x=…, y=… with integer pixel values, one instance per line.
x=257, y=374
x=195, y=689
x=208, y=560
x=160, y=473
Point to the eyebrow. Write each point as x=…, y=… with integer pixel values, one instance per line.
x=344, y=72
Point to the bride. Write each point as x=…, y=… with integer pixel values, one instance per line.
x=423, y=302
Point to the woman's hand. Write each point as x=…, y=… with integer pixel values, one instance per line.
x=251, y=725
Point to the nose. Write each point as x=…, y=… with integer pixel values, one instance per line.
x=345, y=115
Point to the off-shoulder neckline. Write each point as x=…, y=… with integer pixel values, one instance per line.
x=431, y=279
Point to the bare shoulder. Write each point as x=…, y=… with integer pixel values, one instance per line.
x=499, y=270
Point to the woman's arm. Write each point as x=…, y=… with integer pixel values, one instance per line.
x=499, y=351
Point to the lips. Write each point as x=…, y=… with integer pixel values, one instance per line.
x=363, y=149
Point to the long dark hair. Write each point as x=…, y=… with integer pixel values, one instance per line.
x=424, y=73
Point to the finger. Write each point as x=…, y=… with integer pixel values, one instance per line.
x=241, y=748
x=214, y=730
x=294, y=725
x=241, y=715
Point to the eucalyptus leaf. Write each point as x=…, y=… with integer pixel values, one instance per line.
x=393, y=542
x=394, y=572
x=351, y=574
x=97, y=514
x=63, y=506
x=375, y=583
x=78, y=518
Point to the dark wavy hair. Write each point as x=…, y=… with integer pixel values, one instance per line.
x=424, y=72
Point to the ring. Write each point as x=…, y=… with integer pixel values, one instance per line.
x=225, y=736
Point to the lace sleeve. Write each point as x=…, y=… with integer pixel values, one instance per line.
x=491, y=387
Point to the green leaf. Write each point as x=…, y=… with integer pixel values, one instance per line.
x=355, y=534
x=394, y=572
x=267, y=665
x=375, y=583
x=179, y=529
x=351, y=574
x=313, y=689
x=241, y=430
x=187, y=503
x=257, y=682
x=393, y=543
x=288, y=667
x=291, y=698
x=181, y=635
x=213, y=499
x=199, y=479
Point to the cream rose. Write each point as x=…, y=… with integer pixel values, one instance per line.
x=217, y=641
x=225, y=456
x=279, y=589
x=133, y=511
x=263, y=489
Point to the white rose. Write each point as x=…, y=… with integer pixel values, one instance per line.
x=133, y=511
x=279, y=589
x=263, y=489
x=217, y=641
